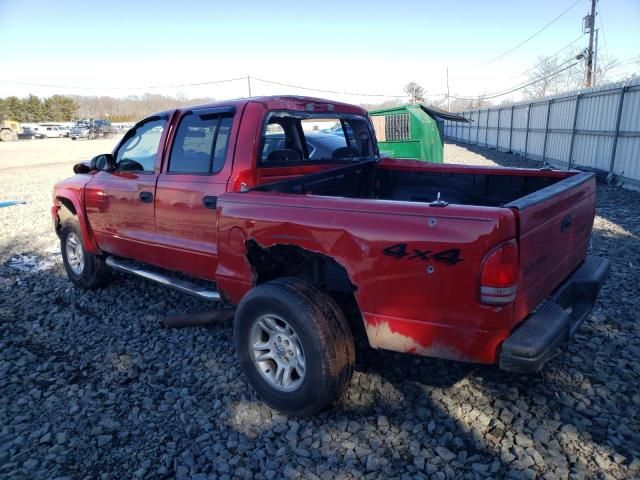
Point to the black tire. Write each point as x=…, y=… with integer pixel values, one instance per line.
x=94, y=272
x=324, y=335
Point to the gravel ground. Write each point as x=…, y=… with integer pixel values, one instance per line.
x=91, y=387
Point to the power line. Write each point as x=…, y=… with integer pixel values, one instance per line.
x=526, y=71
x=329, y=91
x=532, y=36
x=606, y=47
x=211, y=82
x=550, y=56
x=150, y=87
x=500, y=94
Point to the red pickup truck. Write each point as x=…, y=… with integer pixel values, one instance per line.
x=282, y=206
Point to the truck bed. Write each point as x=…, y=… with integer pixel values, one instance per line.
x=415, y=182
x=390, y=203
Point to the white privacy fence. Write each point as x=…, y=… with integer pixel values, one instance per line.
x=597, y=128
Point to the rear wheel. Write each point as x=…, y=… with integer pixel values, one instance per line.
x=85, y=270
x=294, y=345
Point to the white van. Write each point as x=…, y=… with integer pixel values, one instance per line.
x=53, y=130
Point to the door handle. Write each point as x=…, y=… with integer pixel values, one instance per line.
x=210, y=202
x=146, y=197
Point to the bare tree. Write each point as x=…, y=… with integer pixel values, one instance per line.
x=544, y=78
x=460, y=104
x=415, y=91
x=551, y=76
x=607, y=69
x=382, y=105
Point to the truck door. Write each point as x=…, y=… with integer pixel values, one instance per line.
x=195, y=173
x=119, y=203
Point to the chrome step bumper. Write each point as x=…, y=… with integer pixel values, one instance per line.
x=134, y=268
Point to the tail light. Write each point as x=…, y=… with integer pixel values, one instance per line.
x=499, y=275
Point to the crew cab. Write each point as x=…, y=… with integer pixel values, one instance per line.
x=228, y=202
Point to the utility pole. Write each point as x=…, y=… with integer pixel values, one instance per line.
x=448, y=98
x=595, y=58
x=590, y=21
x=249, y=85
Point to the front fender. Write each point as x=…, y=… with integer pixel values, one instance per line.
x=75, y=197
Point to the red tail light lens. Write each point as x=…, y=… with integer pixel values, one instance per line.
x=499, y=276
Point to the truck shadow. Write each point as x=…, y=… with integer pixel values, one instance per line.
x=581, y=397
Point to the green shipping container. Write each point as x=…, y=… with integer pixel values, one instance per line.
x=412, y=131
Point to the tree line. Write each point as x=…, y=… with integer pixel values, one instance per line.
x=131, y=108
x=34, y=109
x=66, y=108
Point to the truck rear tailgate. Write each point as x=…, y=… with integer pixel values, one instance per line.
x=554, y=228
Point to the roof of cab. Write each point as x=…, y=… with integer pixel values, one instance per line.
x=284, y=102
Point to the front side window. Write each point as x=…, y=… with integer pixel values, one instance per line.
x=138, y=152
x=291, y=138
x=200, y=144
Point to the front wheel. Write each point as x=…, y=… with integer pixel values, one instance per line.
x=6, y=135
x=85, y=270
x=294, y=346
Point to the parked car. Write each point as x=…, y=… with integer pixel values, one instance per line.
x=54, y=131
x=31, y=134
x=92, y=129
x=79, y=131
x=474, y=264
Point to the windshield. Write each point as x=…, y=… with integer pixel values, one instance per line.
x=291, y=138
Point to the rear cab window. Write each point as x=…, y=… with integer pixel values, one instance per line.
x=298, y=138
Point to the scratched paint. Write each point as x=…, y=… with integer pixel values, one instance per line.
x=381, y=336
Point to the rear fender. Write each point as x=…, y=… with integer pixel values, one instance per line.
x=235, y=275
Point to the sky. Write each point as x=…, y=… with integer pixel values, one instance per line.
x=122, y=48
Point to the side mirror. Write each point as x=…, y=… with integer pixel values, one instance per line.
x=82, y=167
x=105, y=162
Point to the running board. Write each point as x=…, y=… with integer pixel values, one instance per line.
x=134, y=268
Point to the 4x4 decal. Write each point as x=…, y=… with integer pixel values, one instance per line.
x=402, y=250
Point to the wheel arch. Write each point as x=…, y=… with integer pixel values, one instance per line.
x=324, y=272
x=68, y=205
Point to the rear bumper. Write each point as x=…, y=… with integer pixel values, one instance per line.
x=540, y=335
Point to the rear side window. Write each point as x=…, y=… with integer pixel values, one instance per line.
x=200, y=144
x=297, y=138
